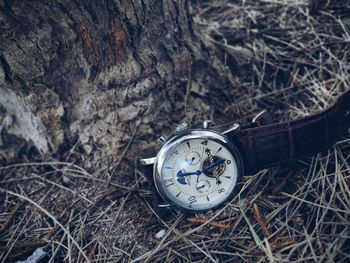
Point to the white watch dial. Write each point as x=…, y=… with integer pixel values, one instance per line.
x=198, y=174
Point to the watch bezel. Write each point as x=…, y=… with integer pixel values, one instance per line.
x=189, y=135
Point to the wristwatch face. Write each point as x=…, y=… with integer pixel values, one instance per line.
x=197, y=170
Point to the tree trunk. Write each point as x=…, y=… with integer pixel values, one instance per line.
x=88, y=73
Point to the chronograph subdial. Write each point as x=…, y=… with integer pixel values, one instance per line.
x=193, y=158
x=203, y=186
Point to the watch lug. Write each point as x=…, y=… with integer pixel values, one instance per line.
x=164, y=205
x=181, y=127
x=206, y=124
x=148, y=161
x=234, y=129
x=161, y=140
x=262, y=118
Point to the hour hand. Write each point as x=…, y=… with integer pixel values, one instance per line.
x=181, y=173
x=181, y=176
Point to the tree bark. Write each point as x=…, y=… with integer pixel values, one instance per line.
x=89, y=73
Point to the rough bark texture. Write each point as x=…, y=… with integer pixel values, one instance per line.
x=89, y=72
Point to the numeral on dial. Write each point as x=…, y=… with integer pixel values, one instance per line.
x=192, y=199
x=221, y=190
x=168, y=182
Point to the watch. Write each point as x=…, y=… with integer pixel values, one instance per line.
x=197, y=169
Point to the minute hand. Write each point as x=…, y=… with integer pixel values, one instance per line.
x=213, y=165
x=180, y=174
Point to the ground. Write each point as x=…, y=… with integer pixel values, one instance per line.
x=290, y=57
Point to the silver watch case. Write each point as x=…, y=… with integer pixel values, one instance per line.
x=178, y=138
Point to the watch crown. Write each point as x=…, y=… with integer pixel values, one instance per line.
x=181, y=127
x=206, y=124
x=161, y=140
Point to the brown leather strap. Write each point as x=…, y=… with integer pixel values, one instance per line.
x=269, y=145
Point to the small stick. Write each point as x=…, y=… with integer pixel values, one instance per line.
x=202, y=220
x=281, y=244
x=280, y=186
x=261, y=221
x=10, y=217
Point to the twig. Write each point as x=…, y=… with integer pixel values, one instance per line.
x=212, y=223
x=261, y=221
x=10, y=217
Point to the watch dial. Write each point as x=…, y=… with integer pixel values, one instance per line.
x=198, y=174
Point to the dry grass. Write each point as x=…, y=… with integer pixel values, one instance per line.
x=289, y=56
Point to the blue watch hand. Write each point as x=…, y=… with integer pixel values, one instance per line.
x=180, y=173
x=181, y=176
x=213, y=165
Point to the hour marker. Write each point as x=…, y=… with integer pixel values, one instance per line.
x=175, y=152
x=219, y=149
x=168, y=167
x=228, y=177
x=208, y=198
x=178, y=194
x=188, y=144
